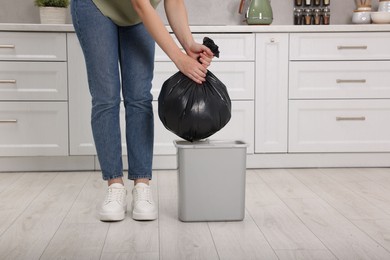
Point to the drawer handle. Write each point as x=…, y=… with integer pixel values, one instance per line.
x=362, y=47
x=8, y=120
x=351, y=81
x=8, y=81
x=358, y=118
x=7, y=46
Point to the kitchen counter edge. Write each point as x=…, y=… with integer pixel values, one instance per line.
x=219, y=28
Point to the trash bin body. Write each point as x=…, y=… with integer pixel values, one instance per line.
x=211, y=180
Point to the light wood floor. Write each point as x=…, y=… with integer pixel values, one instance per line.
x=290, y=214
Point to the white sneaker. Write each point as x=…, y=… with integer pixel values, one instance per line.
x=143, y=207
x=114, y=206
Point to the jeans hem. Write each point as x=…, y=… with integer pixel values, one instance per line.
x=134, y=177
x=112, y=177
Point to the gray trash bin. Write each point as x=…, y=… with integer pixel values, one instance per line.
x=211, y=180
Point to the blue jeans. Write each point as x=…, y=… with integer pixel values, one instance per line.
x=118, y=57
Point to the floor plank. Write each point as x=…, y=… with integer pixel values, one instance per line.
x=7, y=178
x=32, y=231
x=18, y=195
x=346, y=201
x=339, y=235
x=240, y=240
x=81, y=234
x=281, y=227
x=379, y=230
x=305, y=255
x=290, y=214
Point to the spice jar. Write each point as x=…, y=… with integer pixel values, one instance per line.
x=308, y=16
x=308, y=2
x=326, y=2
x=317, y=16
x=298, y=2
x=326, y=15
x=317, y=2
x=298, y=16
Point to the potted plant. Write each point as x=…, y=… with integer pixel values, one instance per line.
x=52, y=11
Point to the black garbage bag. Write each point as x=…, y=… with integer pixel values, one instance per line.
x=194, y=111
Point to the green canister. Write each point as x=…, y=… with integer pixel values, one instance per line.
x=259, y=12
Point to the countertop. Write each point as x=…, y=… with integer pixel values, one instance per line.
x=219, y=28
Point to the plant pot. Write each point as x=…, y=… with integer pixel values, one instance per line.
x=52, y=15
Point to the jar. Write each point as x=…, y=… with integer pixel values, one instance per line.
x=317, y=2
x=297, y=16
x=298, y=2
x=308, y=16
x=317, y=16
x=308, y=2
x=326, y=2
x=326, y=16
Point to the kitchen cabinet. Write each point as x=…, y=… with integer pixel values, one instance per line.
x=33, y=94
x=339, y=93
x=271, y=103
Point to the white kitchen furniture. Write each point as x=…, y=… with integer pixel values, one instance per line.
x=302, y=96
x=33, y=94
x=339, y=92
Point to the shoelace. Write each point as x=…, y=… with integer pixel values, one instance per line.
x=114, y=194
x=143, y=194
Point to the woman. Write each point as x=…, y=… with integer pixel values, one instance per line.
x=118, y=38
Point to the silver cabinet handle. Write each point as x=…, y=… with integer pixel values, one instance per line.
x=351, y=81
x=357, y=47
x=8, y=81
x=8, y=120
x=346, y=118
x=7, y=46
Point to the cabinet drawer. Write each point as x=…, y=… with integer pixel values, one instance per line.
x=339, y=46
x=240, y=127
x=233, y=47
x=238, y=77
x=33, y=81
x=339, y=79
x=32, y=46
x=33, y=128
x=339, y=126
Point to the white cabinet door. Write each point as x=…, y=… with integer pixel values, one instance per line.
x=271, y=93
x=33, y=81
x=33, y=129
x=37, y=46
x=238, y=77
x=339, y=46
x=339, y=126
x=240, y=127
x=339, y=79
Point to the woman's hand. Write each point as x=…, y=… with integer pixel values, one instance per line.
x=194, y=65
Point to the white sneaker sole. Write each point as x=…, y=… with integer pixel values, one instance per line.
x=144, y=216
x=112, y=216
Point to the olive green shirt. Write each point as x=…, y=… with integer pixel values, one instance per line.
x=121, y=12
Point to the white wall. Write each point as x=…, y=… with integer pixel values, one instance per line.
x=201, y=12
